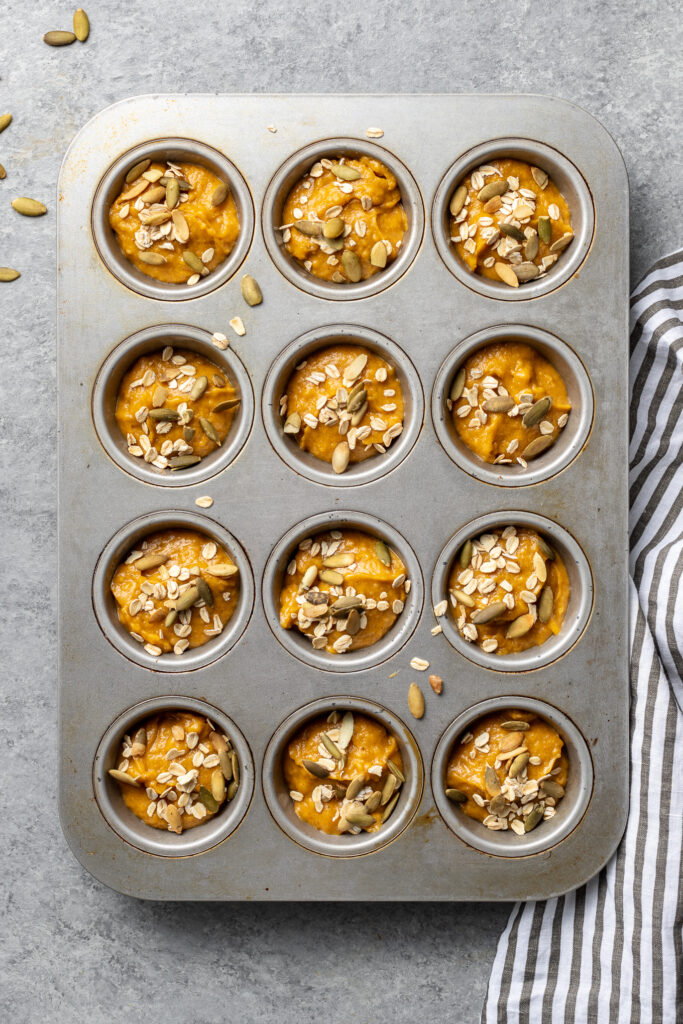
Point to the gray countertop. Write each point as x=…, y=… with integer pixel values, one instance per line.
x=73, y=950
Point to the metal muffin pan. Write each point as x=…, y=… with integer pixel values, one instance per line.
x=266, y=496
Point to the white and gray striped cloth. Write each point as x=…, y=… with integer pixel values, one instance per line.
x=612, y=951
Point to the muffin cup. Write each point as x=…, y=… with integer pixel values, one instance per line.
x=292, y=171
x=572, y=438
x=280, y=803
x=570, y=810
x=308, y=465
x=156, y=841
x=176, y=150
x=571, y=184
x=299, y=645
x=106, y=389
x=105, y=606
x=578, y=610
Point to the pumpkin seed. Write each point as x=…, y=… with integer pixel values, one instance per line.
x=416, y=701
x=207, y=798
x=59, y=38
x=152, y=259
x=170, y=618
x=492, y=611
x=360, y=818
x=219, y=194
x=222, y=571
x=251, y=292
x=491, y=781
x=150, y=562
x=545, y=230
x=458, y=385
x=340, y=457
x=154, y=219
x=231, y=790
x=292, y=424
x=9, y=274
x=172, y=193
x=537, y=412
x=457, y=796
x=552, y=788
x=512, y=232
x=346, y=730
x=182, y=228
x=194, y=263
x=359, y=414
x=313, y=768
x=228, y=403
x=355, y=785
x=391, y=783
x=513, y=739
x=210, y=431
x=5, y=121
x=135, y=190
x=519, y=626
x=531, y=247
x=383, y=552
x=332, y=245
x=499, y=403
x=533, y=819
x=235, y=762
x=308, y=578
x=3, y=173
x=372, y=802
x=545, y=604
x=526, y=272
x=462, y=597
x=340, y=561
x=520, y=726
x=497, y=804
x=389, y=809
x=187, y=599
x=539, y=176
x=198, y=388
x=331, y=747
x=188, y=434
x=465, y=556
x=545, y=548
x=395, y=770
x=225, y=762
x=345, y=172
x=356, y=367
x=183, y=183
x=205, y=591
x=351, y=265
x=506, y=274
x=173, y=818
x=518, y=764
x=538, y=446
x=539, y=565
x=183, y=461
x=81, y=25
x=494, y=188
x=218, y=786
x=493, y=205
x=343, y=605
x=311, y=228
x=458, y=200
x=336, y=579
x=163, y=414
x=123, y=777
x=360, y=396
x=29, y=207
x=136, y=170
x=334, y=227
x=561, y=243
x=378, y=255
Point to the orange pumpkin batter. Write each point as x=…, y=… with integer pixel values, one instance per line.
x=508, y=771
x=176, y=591
x=348, y=784
x=343, y=589
x=508, y=403
x=176, y=771
x=174, y=408
x=344, y=220
x=174, y=222
x=509, y=222
x=362, y=411
x=509, y=590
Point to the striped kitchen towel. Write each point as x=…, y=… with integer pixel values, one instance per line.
x=612, y=951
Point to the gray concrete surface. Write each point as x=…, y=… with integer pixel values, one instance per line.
x=71, y=950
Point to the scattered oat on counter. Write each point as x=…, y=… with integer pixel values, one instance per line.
x=206, y=501
x=237, y=325
x=374, y=133
x=419, y=664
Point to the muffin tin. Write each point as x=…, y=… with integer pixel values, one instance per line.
x=423, y=497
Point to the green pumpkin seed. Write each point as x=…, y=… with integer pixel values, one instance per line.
x=531, y=247
x=458, y=200
x=465, y=556
x=360, y=818
x=340, y=457
x=206, y=797
x=59, y=38
x=518, y=764
x=198, y=388
x=533, y=819
x=333, y=228
x=492, y=611
x=81, y=25
x=218, y=786
x=383, y=552
x=514, y=726
x=545, y=604
x=152, y=259
x=136, y=170
x=512, y=232
x=219, y=194
x=545, y=230
x=395, y=770
x=552, y=788
x=458, y=385
x=494, y=188
x=378, y=255
x=313, y=768
x=345, y=172
x=123, y=777
x=355, y=785
x=29, y=207
x=311, y=228
x=519, y=626
x=497, y=804
x=163, y=414
x=172, y=194
x=183, y=183
x=538, y=446
x=537, y=412
x=331, y=747
x=9, y=274
x=187, y=599
x=360, y=396
x=457, y=796
x=499, y=403
x=359, y=414
x=170, y=619
x=188, y=434
x=462, y=597
x=232, y=789
x=210, y=431
x=526, y=272
x=251, y=291
x=183, y=461
x=491, y=781
x=205, y=591
x=235, y=762
x=194, y=263
x=351, y=265
x=225, y=762
x=229, y=403
x=389, y=809
x=391, y=784
x=5, y=121
x=372, y=802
